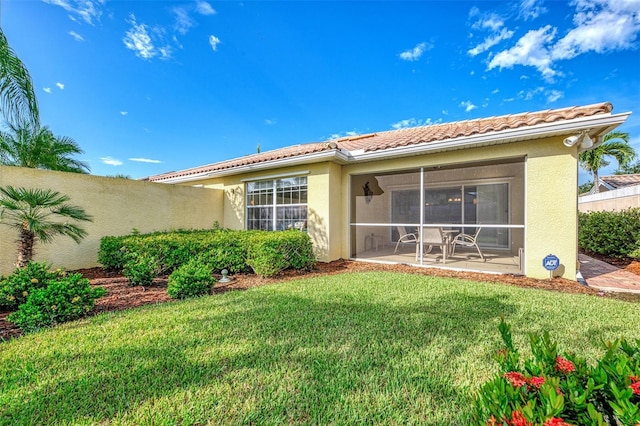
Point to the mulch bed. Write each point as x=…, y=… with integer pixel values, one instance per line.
x=121, y=296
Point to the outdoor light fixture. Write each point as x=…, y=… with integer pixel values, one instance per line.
x=583, y=138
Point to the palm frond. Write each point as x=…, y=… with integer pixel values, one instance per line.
x=17, y=95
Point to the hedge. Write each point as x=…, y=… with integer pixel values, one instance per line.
x=611, y=233
x=265, y=252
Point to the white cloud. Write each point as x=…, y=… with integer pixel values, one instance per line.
x=60, y=86
x=145, y=160
x=143, y=40
x=530, y=50
x=445, y=112
x=138, y=40
x=554, y=95
x=531, y=9
x=183, y=20
x=47, y=89
x=76, y=36
x=342, y=135
x=468, y=106
x=495, y=91
x=600, y=26
x=124, y=112
x=87, y=10
x=269, y=122
x=491, y=41
x=415, y=53
x=214, y=41
x=204, y=8
x=111, y=161
x=489, y=21
x=551, y=95
x=412, y=122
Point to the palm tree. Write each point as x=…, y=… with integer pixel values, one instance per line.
x=616, y=145
x=17, y=95
x=29, y=145
x=33, y=213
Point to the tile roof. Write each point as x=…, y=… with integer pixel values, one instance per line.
x=402, y=137
x=620, y=181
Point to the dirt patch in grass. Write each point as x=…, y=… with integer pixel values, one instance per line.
x=120, y=295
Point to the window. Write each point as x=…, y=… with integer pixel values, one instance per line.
x=277, y=204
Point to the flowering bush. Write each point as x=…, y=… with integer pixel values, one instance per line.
x=553, y=389
x=15, y=288
x=63, y=299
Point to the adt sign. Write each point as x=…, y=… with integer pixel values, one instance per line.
x=551, y=262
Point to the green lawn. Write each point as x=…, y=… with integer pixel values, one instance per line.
x=362, y=348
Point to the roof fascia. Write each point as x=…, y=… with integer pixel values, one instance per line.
x=335, y=155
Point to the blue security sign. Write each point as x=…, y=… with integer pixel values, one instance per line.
x=551, y=262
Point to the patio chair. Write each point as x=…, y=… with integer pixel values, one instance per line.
x=468, y=241
x=433, y=237
x=405, y=237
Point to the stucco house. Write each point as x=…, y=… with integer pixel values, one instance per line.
x=509, y=180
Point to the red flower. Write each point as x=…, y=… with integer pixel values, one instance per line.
x=634, y=379
x=635, y=387
x=536, y=381
x=554, y=421
x=518, y=419
x=564, y=365
x=516, y=379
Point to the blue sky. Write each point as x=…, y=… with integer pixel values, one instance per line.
x=147, y=87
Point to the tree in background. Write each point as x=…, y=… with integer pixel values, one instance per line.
x=585, y=187
x=616, y=145
x=26, y=145
x=17, y=95
x=628, y=169
x=39, y=215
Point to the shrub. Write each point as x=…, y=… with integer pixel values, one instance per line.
x=220, y=249
x=272, y=252
x=112, y=253
x=561, y=389
x=63, y=299
x=141, y=270
x=15, y=288
x=613, y=234
x=191, y=279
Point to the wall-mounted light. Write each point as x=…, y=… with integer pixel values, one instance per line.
x=583, y=139
x=368, y=192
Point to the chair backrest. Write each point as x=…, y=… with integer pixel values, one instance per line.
x=402, y=231
x=475, y=236
x=432, y=236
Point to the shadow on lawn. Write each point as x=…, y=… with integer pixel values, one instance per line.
x=287, y=358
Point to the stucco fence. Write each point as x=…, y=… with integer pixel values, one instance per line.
x=118, y=206
x=617, y=199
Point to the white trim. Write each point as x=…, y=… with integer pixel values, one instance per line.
x=277, y=176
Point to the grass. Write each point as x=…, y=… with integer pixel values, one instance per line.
x=370, y=348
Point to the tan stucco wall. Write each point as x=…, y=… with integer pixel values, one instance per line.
x=324, y=224
x=551, y=198
x=117, y=205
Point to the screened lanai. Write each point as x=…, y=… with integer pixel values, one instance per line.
x=468, y=216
